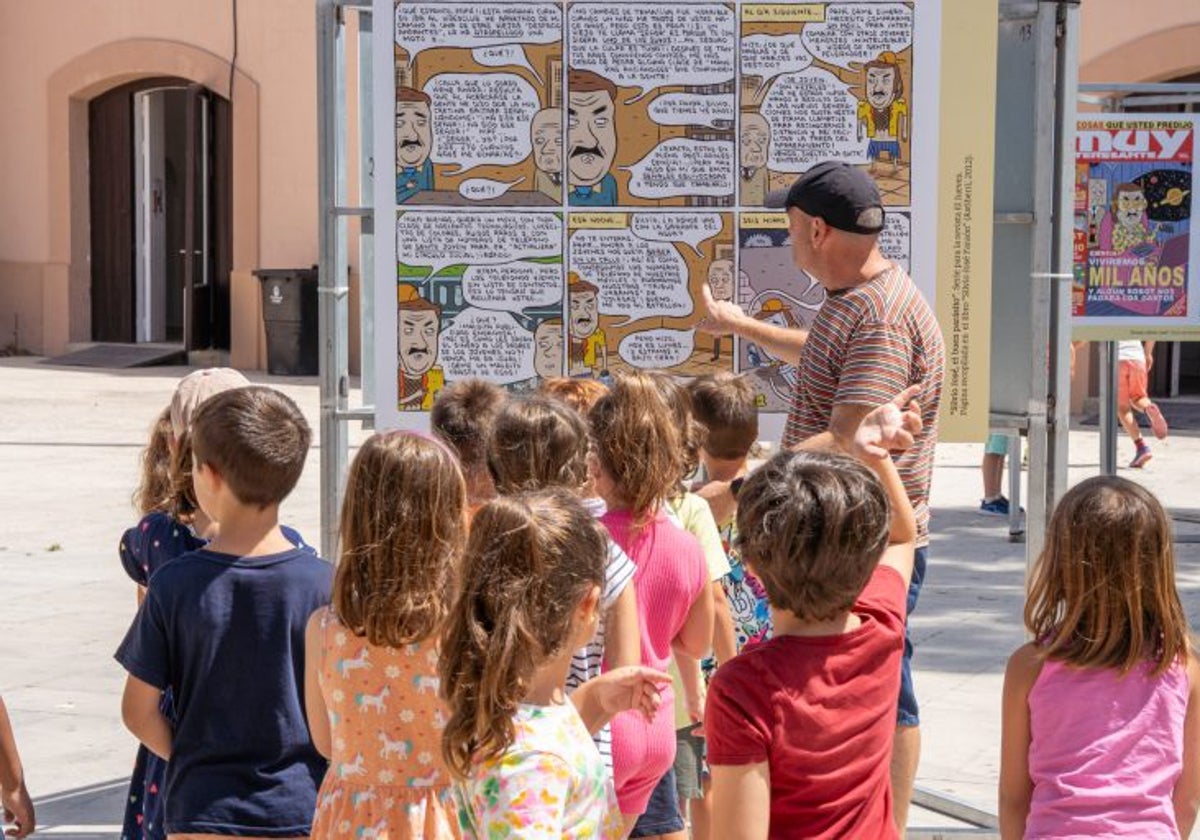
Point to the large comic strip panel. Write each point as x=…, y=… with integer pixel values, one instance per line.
x=478, y=294
x=634, y=291
x=651, y=104
x=479, y=103
x=1133, y=204
x=824, y=81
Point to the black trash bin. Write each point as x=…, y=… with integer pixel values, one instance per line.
x=289, y=302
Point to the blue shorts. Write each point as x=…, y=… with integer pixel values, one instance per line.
x=662, y=811
x=875, y=148
x=996, y=445
x=908, y=713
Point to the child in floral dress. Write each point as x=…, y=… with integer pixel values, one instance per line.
x=371, y=686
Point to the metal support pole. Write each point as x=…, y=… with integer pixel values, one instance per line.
x=1108, y=408
x=333, y=314
x=366, y=198
x=1016, y=519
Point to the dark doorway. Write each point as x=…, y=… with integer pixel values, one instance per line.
x=161, y=206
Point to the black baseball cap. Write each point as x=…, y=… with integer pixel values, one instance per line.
x=841, y=194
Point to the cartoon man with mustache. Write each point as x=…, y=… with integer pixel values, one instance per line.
x=419, y=324
x=546, y=135
x=883, y=113
x=591, y=139
x=414, y=140
x=588, y=343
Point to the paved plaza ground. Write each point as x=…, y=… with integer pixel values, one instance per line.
x=69, y=445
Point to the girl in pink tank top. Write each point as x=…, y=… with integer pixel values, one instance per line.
x=1101, y=726
x=636, y=460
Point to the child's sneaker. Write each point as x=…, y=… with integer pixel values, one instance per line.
x=995, y=507
x=1157, y=422
x=1142, y=457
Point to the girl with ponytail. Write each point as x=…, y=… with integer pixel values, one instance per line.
x=519, y=748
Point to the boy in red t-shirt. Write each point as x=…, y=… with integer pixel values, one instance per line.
x=800, y=727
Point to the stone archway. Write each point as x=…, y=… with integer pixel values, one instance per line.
x=66, y=301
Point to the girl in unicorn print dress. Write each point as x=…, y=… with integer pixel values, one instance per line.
x=371, y=658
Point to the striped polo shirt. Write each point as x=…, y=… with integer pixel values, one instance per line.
x=867, y=344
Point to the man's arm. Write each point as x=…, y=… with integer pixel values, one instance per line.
x=727, y=318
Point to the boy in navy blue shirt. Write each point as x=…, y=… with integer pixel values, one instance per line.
x=223, y=628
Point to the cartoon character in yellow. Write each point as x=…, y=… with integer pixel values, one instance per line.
x=1132, y=228
x=419, y=325
x=883, y=113
x=588, y=345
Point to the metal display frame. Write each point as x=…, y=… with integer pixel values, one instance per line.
x=1113, y=99
x=1042, y=416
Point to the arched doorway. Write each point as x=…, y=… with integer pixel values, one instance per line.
x=160, y=208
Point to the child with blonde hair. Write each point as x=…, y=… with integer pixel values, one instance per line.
x=1101, y=721
x=636, y=463
x=371, y=656
x=519, y=748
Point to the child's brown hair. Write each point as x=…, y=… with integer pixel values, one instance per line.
x=181, y=499
x=636, y=441
x=462, y=416
x=538, y=442
x=581, y=394
x=812, y=527
x=154, y=490
x=531, y=558
x=402, y=533
x=724, y=403
x=256, y=438
x=691, y=433
x=1103, y=591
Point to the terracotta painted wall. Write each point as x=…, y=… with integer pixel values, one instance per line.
x=1142, y=41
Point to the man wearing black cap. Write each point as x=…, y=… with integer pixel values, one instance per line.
x=873, y=337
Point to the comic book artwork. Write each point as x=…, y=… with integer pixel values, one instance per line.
x=1133, y=211
x=569, y=176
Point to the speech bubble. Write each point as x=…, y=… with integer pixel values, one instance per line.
x=650, y=46
x=423, y=26
x=684, y=167
x=487, y=345
x=481, y=118
x=439, y=239
x=709, y=109
x=636, y=278
x=692, y=228
x=513, y=286
x=769, y=56
x=860, y=31
x=894, y=242
x=659, y=348
x=812, y=118
x=505, y=55
x=481, y=189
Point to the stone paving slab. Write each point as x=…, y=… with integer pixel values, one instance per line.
x=69, y=445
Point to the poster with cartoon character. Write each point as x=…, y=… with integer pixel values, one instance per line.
x=478, y=103
x=634, y=280
x=651, y=104
x=477, y=295
x=1134, y=241
x=558, y=181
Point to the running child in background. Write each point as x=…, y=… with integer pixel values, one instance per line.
x=14, y=796
x=171, y=525
x=800, y=727
x=666, y=815
x=636, y=462
x=520, y=749
x=462, y=416
x=1101, y=726
x=1134, y=360
x=241, y=762
x=538, y=443
x=371, y=656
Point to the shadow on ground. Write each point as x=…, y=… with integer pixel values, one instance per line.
x=93, y=812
